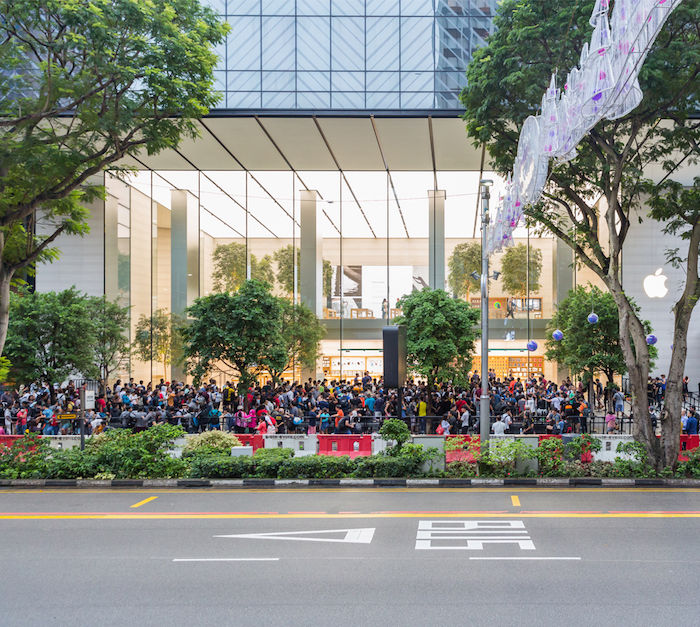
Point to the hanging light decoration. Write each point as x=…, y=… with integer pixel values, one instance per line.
x=557, y=335
x=603, y=86
x=532, y=346
x=651, y=339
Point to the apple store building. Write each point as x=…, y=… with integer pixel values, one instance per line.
x=337, y=168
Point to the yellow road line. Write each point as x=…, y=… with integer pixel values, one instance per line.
x=148, y=500
x=515, y=499
x=229, y=516
x=479, y=490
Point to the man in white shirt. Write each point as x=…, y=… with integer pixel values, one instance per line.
x=498, y=427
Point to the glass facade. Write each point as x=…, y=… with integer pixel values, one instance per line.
x=365, y=234
x=348, y=54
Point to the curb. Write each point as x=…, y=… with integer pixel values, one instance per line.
x=476, y=482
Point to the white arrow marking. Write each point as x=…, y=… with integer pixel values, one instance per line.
x=354, y=536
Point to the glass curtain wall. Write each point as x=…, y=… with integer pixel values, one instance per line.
x=372, y=242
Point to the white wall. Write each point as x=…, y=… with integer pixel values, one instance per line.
x=81, y=262
x=643, y=254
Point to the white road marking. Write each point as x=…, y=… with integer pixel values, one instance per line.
x=524, y=558
x=226, y=559
x=352, y=536
x=471, y=534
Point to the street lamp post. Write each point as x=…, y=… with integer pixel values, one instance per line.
x=485, y=419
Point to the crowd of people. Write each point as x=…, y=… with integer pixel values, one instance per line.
x=358, y=404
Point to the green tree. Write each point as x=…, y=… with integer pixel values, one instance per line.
x=111, y=347
x=587, y=349
x=465, y=259
x=300, y=335
x=285, y=260
x=440, y=334
x=230, y=267
x=156, y=338
x=514, y=270
x=327, y=281
x=239, y=330
x=84, y=84
x=51, y=336
x=589, y=202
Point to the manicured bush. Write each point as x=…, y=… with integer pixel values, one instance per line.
x=210, y=443
x=317, y=467
x=25, y=459
x=221, y=467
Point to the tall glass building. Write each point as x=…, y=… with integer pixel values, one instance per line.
x=337, y=168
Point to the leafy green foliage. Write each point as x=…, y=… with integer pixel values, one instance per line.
x=213, y=442
x=229, y=262
x=588, y=348
x=440, y=333
x=51, y=335
x=156, y=337
x=514, y=270
x=602, y=188
x=397, y=431
x=111, y=346
x=300, y=334
x=285, y=260
x=25, y=459
x=240, y=329
x=465, y=259
x=84, y=84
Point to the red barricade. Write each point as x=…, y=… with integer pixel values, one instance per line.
x=338, y=445
x=255, y=440
x=688, y=443
x=9, y=440
x=461, y=455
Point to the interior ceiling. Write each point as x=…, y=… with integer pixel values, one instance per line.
x=309, y=143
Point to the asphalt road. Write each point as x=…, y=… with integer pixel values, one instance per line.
x=377, y=556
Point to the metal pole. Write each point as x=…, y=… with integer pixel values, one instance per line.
x=485, y=419
x=82, y=418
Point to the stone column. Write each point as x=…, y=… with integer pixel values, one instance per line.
x=436, y=239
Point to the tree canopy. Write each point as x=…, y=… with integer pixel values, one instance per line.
x=84, y=84
x=587, y=349
x=239, y=330
x=156, y=337
x=465, y=259
x=515, y=268
x=230, y=267
x=590, y=201
x=440, y=334
x=51, y=336
x=111, y=345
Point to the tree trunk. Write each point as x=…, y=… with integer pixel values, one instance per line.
x=636, y=353
x=5, y=280
x=673, y=400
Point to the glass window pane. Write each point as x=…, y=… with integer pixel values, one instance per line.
x=347, y=7
x=243, y=99
x=313, y=7
x=382, y=81
x=383, y=7
x=244, y=7
x=382, y=47
x=313, y=43
x=417, y=81
x=417, y=7
x=348, y=100
x=348, y=81
x=277, y=7
x=278, y=100
x=417, y=43
x=313, y=81
x=245, y=81
x=313, y=100
x=278, y=43
x=279, y=81
x=417, y=100
x=348, y=43
x=379, y=100
x=244, y=51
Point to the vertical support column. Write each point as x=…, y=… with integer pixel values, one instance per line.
x=436, y=239
x=310, y=260
x=311, y=253
x=184, y=256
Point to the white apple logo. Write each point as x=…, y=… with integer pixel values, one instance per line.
x=654, y=285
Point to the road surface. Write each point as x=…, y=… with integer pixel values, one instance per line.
x=350, y=557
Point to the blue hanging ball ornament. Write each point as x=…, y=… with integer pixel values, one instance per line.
x=532, y=345
x=593, y=318
x=651, y=339
x=558, y=335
